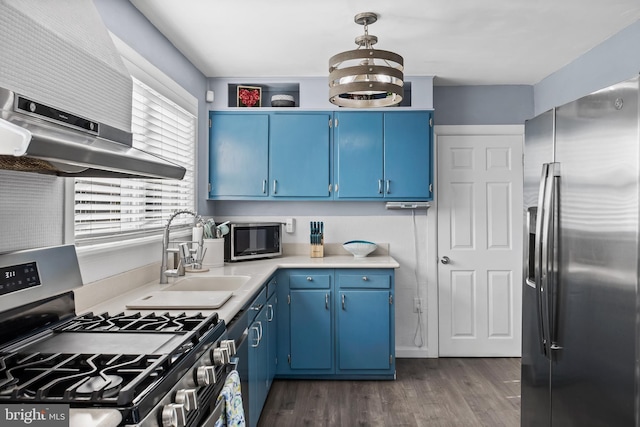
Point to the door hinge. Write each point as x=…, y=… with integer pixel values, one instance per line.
x=390, y=299
x=430, y=122
x=391, y=359
x=430, y=188
x=209, y=187
x=209, y=122
x=288, y=299
x=289, y=359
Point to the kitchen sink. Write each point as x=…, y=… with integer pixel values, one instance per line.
x=209, y=283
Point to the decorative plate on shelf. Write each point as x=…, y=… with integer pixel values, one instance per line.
x=249, y=96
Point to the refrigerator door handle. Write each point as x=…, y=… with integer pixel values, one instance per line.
x=538, y=259
x=552, y=273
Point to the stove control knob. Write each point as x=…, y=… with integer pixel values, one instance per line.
x=205, y=375
x=230, y=345
x=188, y=397
x=173, y=415
x=221, y=356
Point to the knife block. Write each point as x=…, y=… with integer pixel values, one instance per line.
x=317, y=251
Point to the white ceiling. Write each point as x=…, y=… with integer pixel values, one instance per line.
x=460, y=42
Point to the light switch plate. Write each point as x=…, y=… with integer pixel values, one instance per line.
x=290, y=224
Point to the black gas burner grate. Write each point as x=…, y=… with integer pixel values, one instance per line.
x=111, y=379
x=140, y=323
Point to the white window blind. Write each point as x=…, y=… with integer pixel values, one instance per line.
x=108, y=209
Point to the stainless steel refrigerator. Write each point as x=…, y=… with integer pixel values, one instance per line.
x=580, y=309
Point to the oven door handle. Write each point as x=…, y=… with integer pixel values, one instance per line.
x=215, y=415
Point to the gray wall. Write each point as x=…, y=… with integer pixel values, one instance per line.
x=126, y=22
x=612, y=61
x=482, y=105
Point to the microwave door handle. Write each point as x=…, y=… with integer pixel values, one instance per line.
x=538, y=259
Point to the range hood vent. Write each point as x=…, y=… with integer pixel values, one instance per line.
x=66, y=96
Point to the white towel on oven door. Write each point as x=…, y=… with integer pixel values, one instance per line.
x=233, y=413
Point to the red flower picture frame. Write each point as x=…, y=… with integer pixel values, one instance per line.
x=249, y=96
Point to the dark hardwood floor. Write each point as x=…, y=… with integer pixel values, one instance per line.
x=428, y=392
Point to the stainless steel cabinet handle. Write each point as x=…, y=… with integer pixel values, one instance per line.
x=257, y=307
x=269, y=313
x=260, y=336
x=275, y=186
x=379, y=186
x=388, y=186
x=365, y=278
x=326, y=301
x=256, y=339
x=264, y=186
x=309, y=278
x=445, y=260
x=343, y=297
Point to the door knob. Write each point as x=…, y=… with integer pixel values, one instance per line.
x=445, y=260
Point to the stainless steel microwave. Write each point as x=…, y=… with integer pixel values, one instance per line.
x=252, y=241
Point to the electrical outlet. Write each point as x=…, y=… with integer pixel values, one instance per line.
x=418, y=305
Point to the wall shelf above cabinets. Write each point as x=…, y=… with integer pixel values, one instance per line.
x=266, y=91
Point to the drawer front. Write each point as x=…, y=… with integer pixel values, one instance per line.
x=310, y=280
x=364, y=279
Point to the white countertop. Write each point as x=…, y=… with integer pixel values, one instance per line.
x=113, y=297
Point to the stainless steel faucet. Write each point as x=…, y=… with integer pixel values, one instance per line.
x=184, y=258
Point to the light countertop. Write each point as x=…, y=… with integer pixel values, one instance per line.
x=112, y=296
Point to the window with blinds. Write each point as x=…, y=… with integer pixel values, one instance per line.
x=108, y=209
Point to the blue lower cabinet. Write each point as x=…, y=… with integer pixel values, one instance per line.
x=337, y=324
x=272, y=338
x=259, y=366
x=363, y=333
x=310, y=326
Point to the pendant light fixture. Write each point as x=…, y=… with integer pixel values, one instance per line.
x=366, y=77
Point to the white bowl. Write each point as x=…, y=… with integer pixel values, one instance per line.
x=359, y=248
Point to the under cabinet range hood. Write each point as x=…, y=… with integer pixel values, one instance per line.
x=66, y=96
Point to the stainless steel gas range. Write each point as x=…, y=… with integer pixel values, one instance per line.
x=143, y=370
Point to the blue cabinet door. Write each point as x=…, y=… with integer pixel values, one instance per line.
x=257, y=366
x=363, y=330
x=407, y=155
x=299, y=155
x=310, y=329
x=358, y=138
x=238, y=155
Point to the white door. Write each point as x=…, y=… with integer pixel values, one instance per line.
x=479, y=244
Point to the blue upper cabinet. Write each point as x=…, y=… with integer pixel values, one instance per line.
x=383, y=155
x=359, y=149
x=407, y=155
x=238, y=150
x=368, y=155
x=299, y=155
